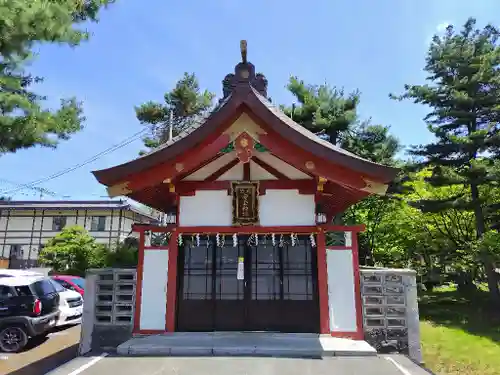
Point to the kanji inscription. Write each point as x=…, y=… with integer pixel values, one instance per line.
x=245, y=203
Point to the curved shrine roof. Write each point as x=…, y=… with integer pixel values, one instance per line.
x=246, y=96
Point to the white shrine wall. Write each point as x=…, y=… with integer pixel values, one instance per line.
x=154, y=290
x=277, y=208
x=342, y=309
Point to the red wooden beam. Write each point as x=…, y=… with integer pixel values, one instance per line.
x=254, y=229
x=324, y=315
x=268, y=168
x=249, y=229
x=214, y=176
x=141, y=228
x=246, y=171
x=303, y=186
x=298, y=158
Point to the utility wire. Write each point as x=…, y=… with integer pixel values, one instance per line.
x=184, y=123
x=113, y=148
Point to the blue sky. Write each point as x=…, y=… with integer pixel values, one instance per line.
x=141, y=47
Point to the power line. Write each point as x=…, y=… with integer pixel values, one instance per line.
x=180, y=122
x=38, y=190
x=115, y=147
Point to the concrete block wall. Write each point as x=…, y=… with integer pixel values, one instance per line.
x=390, y=311
x=108, y=309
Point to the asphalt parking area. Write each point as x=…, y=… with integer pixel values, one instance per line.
x=100, y=365
x=41, y=356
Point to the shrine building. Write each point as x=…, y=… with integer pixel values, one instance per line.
x=248, y=245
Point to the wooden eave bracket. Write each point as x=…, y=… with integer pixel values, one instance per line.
x=373, y=187
x=171, y=186
x=321, y=183
x=119, y=189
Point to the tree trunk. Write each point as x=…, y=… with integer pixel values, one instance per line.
x=489, y=267
x=465, y=282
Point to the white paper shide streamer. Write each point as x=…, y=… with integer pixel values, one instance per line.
x=313, y=240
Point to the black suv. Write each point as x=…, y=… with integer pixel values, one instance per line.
x=29, y=307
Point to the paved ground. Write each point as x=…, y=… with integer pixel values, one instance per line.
x=40, y=357
x=238, y=366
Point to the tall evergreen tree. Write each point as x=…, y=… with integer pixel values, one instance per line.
x=24, y=122
x=332, y=114
x=183, y=105
x=463, y=94
x=323, y=109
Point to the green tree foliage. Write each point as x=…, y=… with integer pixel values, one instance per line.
x=184, y=104
x=331, y=114
x=323, y=109
x=124, y=255
x=463, y=95
x=24, y=122
x=72, y=252
x=373, y=142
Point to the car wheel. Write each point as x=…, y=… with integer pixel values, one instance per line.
x=13, y=339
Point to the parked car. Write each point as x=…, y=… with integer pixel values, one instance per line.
x=12, y=273
x=75, y=283
x=70, y=305
x=28, y=308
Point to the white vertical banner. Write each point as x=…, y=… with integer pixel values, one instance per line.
x=240, y=274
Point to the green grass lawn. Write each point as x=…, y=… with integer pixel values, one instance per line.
x=460, y=334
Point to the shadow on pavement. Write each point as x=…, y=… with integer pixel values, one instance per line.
x=37, y=341
x=48, y=363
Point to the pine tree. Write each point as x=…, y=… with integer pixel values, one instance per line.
x=463, y=93
x=323, y=109
x=183, y=105
x=24, y=122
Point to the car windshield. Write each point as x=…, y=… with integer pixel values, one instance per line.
x=79, y=282
x=43, y=287
x=58, y=287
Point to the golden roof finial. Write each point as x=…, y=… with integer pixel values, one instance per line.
x=243, y=49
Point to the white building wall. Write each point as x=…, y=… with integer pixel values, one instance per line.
x=286, y=208
x=277, y=208
x=154, y=290
x=205, y=208
x=31, y=229
x=341, y=292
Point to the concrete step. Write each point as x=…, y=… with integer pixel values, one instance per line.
x=244, y=344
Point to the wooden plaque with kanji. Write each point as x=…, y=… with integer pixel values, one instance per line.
x=245, y=203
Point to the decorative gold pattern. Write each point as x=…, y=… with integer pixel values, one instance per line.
x=245, y=203
x=310, y=165
x=321, y=183
x=373, y=187
x=119, y=189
